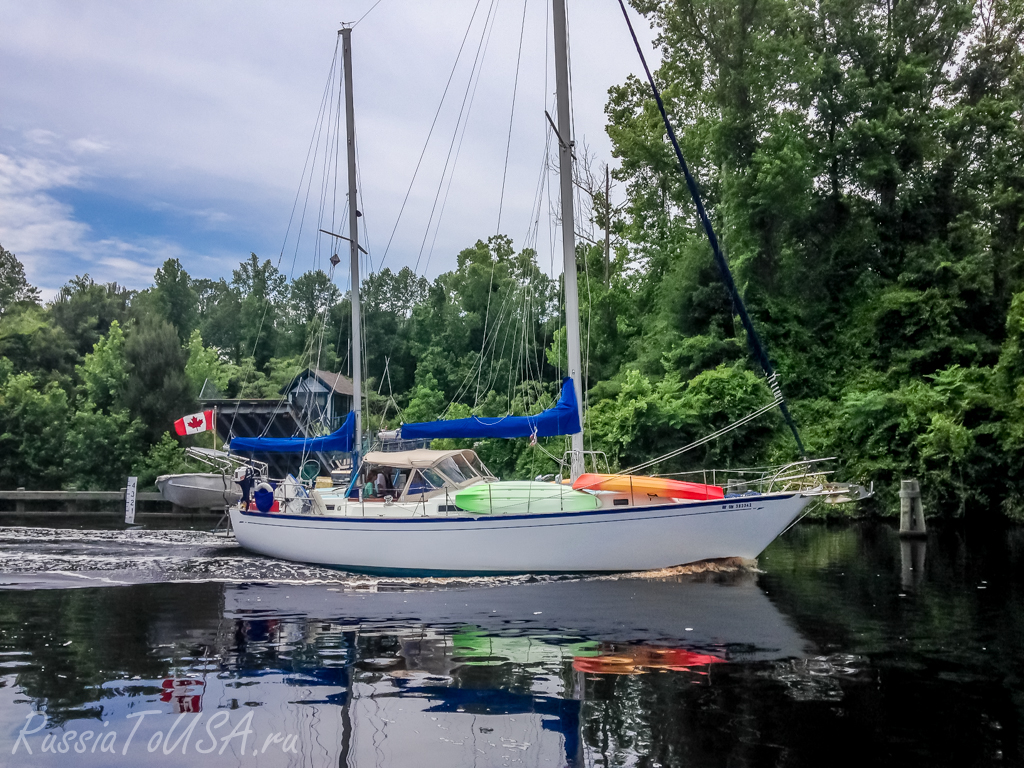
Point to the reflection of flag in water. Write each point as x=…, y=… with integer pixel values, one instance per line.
x=194, y=423
x=632, y=660
x=183, y=695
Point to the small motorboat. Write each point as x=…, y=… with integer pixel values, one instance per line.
x=199, y=490
x=208, y=490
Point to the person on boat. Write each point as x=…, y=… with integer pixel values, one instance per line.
x=244, y=476
x=369, y=489
x=381, y=482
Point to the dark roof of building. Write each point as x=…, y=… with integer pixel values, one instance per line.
x=335, y=382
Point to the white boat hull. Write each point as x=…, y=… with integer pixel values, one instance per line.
x=199, y=490
x=610, y=540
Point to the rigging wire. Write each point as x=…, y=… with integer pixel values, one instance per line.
x=307, y=165
x=706, y=439
x=470, y=90
x=430, y=132
x=511, y=117
x=366, y=14
x=501, y=198
x=471, y=86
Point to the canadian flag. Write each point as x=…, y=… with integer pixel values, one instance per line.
x=194, y=423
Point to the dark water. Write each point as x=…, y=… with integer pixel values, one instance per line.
x=174, y=648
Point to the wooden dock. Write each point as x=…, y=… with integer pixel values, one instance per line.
x=30, y=503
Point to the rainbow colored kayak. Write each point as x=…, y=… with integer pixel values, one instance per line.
x=645, y=486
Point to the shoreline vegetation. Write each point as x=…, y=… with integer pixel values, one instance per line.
x=864, y=166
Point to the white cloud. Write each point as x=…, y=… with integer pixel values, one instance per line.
x=88, y=146
x=45, y=235
x=41, y=136
x=206, y=110
x=28, y=175
x=33, y=225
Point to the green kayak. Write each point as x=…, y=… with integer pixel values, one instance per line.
x=516, y=497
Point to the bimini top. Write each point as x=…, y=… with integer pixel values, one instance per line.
x=419, y=458
x=562, y=419
x=340, y=440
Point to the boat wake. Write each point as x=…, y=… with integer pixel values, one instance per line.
x=39, y=558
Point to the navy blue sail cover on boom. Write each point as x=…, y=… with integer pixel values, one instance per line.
x=562, y=419
x=340, y=440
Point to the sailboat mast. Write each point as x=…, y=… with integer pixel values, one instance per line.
x=572, y=300
x=353, y=231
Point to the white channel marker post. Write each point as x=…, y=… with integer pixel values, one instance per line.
x=129, y=500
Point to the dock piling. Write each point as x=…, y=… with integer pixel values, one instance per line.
x=911, y=512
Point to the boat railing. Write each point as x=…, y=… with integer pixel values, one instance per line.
x=807, y=475
x=225, y=463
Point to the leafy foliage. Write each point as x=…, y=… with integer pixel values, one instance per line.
x=14, y=287
x=863, y=164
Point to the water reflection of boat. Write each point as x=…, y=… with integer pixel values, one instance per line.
x=453, y=676
x=635, y=659
x=675, y=611
x=469, y=675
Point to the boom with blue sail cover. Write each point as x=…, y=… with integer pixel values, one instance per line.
x=562, y=419
x=341, y=440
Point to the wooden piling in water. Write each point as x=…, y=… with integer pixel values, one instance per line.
x=911, y=512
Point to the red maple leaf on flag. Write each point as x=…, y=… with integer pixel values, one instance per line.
x=195, y=422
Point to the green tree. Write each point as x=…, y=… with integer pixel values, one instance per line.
x=102, y=437
x=101, y=447
x=388, y=300
x=165, y=457
x=104, y=371
x=205, y=368
x=175, y=298
x=157, y=391
x=33, y=343
x=33, y=431
x=262, y=289
x=14, y=287
x=85, y=310
x=219, y=306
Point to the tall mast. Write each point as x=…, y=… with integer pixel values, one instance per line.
x=572, y=300
x=353, y=231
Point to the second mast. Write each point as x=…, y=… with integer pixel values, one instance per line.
x=353, y=231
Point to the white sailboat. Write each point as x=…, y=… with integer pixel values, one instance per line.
x=443, y=512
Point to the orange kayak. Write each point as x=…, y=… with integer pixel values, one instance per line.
x=641, y=485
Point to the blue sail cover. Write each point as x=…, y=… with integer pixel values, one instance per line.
x=341, y=440
x=562, y=419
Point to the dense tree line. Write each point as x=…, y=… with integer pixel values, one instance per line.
x=863, y=163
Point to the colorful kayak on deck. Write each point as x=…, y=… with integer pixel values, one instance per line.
x=645, y=486
x=516, y=497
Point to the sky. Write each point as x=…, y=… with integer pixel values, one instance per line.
x=131, y=132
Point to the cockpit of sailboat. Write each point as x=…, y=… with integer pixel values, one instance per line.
x=417, y=475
